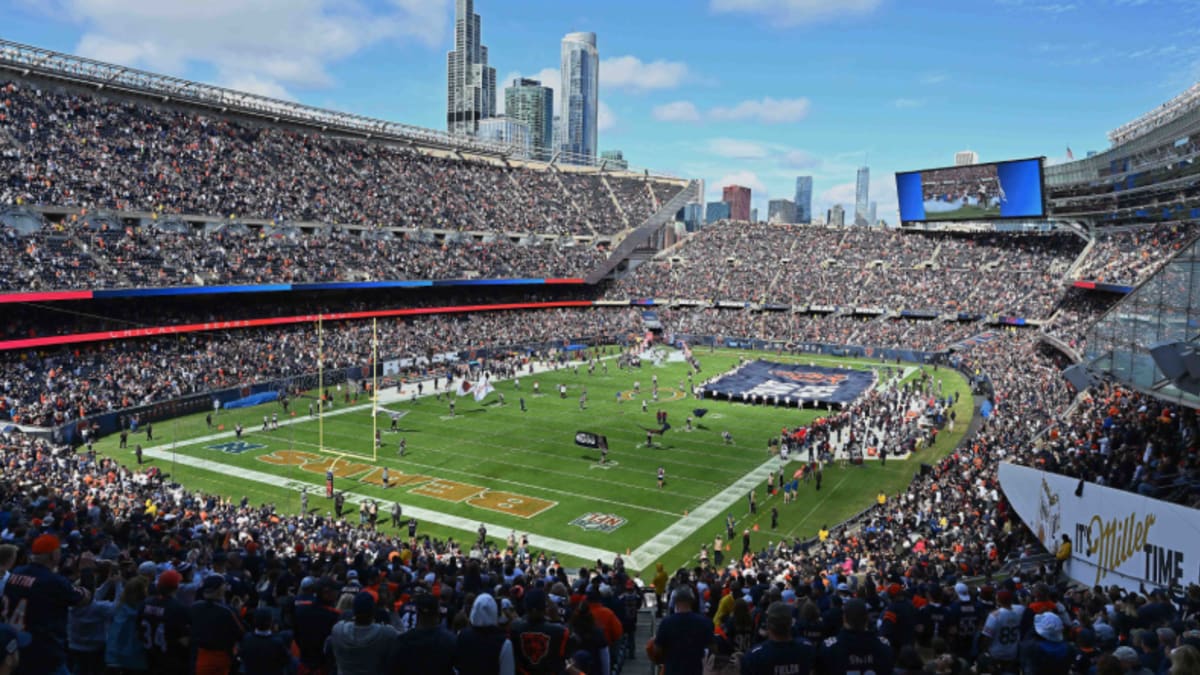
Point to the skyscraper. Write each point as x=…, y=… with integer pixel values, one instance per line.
x=470, y=82
x=836, y=216
x=530, y=102
x=804, y=199
x=716, y=211
x=503, y=130
x=861, y=197
x=871, y=214
x=614, y=159
x=580, y=96
x=781, y=211
x=738, y=198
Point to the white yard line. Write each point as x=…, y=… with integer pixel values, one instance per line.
x=424, y=515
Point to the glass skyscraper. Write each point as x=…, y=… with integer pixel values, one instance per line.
x=861, y=197
x=804, y=199
x=470, y=82
x=580, y=96
x=530, y=102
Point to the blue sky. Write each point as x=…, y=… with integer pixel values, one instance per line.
x=748, y=91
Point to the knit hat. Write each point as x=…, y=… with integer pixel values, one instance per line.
x=45, y=544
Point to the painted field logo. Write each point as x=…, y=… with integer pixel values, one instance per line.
x=602, y=522
x=235, y=447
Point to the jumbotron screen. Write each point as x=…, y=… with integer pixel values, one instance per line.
x=977, y=192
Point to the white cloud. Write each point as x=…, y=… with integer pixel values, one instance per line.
x=679, y=111
x=605, y=118
x=796, y=12
x=632, y=74
x=766, y=111
x=933, y=78
x=253, y=84
x=268, y=45
x=903, y=103
x=800, y=159
x=732, y=148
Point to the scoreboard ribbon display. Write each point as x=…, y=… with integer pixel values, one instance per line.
x=790, y=383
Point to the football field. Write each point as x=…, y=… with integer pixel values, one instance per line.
x=510, y=469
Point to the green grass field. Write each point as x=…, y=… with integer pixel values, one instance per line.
x=521, y=471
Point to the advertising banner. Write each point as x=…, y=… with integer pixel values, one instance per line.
x=1117, y=537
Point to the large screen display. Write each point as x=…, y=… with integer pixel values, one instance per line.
x=977, y=192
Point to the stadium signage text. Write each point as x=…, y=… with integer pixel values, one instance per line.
x=1117, y=537
x=426, y=486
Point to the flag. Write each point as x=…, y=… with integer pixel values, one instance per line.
x=700, y=412
x=464, y=387
x=1070, y=155
x=482, y=389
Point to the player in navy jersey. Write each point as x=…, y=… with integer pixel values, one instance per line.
x=165, y=626
x=855, y=649
x=781, y=653
x=36, y=600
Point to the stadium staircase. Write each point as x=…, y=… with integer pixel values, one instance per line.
x=574, y=206
x=1083, y=256
x=647, y=229
x=616, y=202
x=653, y=195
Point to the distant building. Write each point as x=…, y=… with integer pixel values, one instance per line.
x=510, y=132
x=862, y=189
x=693, y=216
x=529, y=102
x=966, y=158
x=556, y=135
x=804, y=189
x=614, y=159
x=716, y=211
x=836, y=216
x=738, y=198
x=580, y=93
x=754, y=215
x=781, y=211
x=871, y=218
x=470, y=82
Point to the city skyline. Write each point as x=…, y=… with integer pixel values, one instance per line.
x=689, y=107
x=470, y=81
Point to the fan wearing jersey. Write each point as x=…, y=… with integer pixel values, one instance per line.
x=781, y=653
x=165, y=627
x=854, y=648
x=1001, y=635
x=216, y=629
x=35, y=601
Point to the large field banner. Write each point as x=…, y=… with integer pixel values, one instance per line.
x=1117, y=537
x=790, y=383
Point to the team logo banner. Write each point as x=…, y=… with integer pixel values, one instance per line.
x=1117, y=537
x=599, y=522
x=589, y=440
x=790, y=383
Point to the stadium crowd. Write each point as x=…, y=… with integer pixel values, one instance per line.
x=1127, y=256
x=864, y=267
x=68, y=148
x=53, y=387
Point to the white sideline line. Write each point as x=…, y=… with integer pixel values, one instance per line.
x=421, y=514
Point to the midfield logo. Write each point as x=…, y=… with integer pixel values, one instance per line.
x=235, y=447
x=599, y=522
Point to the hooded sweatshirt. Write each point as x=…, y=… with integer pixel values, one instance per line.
x=483, y=648
x=361, y=650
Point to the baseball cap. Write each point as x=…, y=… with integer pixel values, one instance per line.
x=427, y=604
x=789, y=597
x=12, y=639
x=843, y=587
x=963, y=593
x=148, y=569
x=352, y=574
x=45, y=544
x=1049, y=626
x=1126, y=654
x=308, y=583
x=169, y=580
x=364, y=603
x=213, y=582
x=535, y=598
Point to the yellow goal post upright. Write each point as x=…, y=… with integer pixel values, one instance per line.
x=321, y=447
